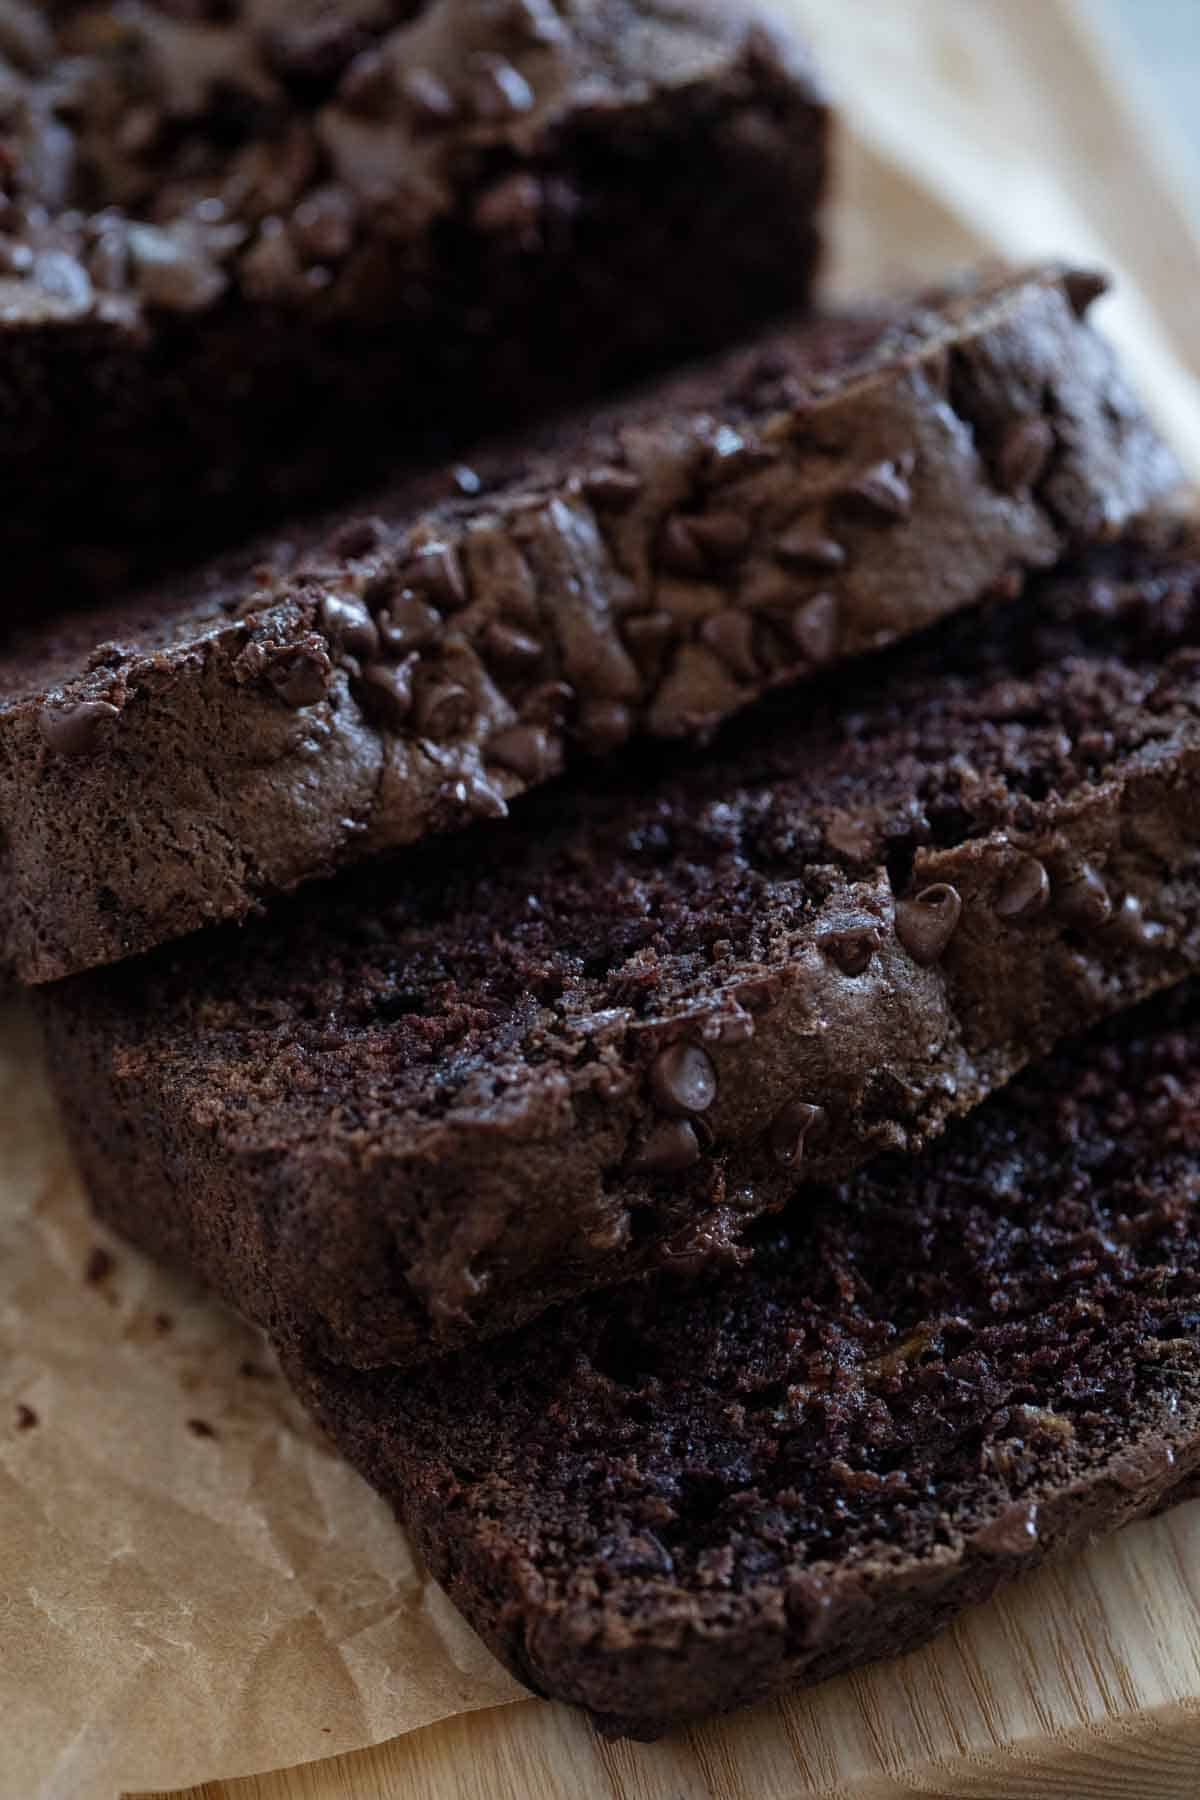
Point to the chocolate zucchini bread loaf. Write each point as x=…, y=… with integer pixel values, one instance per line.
x=822, y=491
x=436, y=1097
x=249, y=248
x=685, y=1495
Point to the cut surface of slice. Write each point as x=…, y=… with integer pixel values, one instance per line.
x=432, y=1098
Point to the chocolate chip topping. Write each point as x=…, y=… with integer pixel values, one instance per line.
x=669, y=1148
x=790, y=1129
x=882, y=493
x=683, y=1080
x=1024, y=891
x=1083, y=898
x=76, y=728
x=926, y=924
x=852, y=950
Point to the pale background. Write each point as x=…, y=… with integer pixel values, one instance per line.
x=1167, y=33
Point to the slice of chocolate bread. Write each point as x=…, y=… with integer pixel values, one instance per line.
x=820, y=492
x=252, y=248
x=686, y=1495
x=436, y=1097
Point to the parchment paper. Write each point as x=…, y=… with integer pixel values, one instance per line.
x=191, y=1586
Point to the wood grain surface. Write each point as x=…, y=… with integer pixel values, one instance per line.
x=1080, y=1682
x=1083, y=1681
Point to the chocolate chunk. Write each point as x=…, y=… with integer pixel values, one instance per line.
x=926, y=923
x=683, y=1080
x=385, y=693
x=1024, y=454
x=1013, y=1532
x=804, y=548
x=670, y=1147
x=444, y=709
x=1024, y=892
x=300, y=675
x=76, y=728
x=1083, y=900
x=881, y=494
x=792, y=1125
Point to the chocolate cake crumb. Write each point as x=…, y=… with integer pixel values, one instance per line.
x=99, y=1266
x=673, y=1499
x=26, y=1417
x=432, y=1098
x=201, y=1428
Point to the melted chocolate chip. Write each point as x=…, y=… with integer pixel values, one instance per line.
x=435, y=570
x=509, y=648
x=77, y=728
x=671, y=1146
x=926, y=923
x=792, y=1125
x=604, y=725
x=679, y=552
x=683, y=1080
x=408, y=624
x=1129, y=921
x=803, y=548
x=721, y=536
x=1083, y=899
x=1013, y=1532
x=350, y=627
x=385, y=693
x=815, y=628
x=1024, y=453
x=731, y=635
x=1024, y=892
x=613, y=490
x=444, y=709
x=300, y=674
x=852, y=949
x=525, y=749
x=882, y=494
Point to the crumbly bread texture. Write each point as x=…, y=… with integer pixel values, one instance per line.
x=433, y=1098
x=822, y=491
x=249, y=248
x=683, y=1496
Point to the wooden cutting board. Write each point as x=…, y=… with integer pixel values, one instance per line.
x=1083, y=1681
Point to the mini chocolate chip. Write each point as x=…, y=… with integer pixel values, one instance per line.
x=430, y=102
x=731, y=635
x=815, y=628
x=604, y=725
x=722, y=536
x=473, y=795
x=350, y=626
x=731, y=455
x=1129, y=922
x=436, y=570
x=672, y=1145
x=852, y=949
x=647, y=635
x=300, y=675
x=1025, y=891
x=26, y=1418
x=1013, y=1532
x=1083, y=899
x=1083, y=287
x=409, y=624
x=804, y=548
x=548, y=704
x=498, y=90
x=78, y=728
x=926, y=923
x=881, y=493
x=683, y=1080
x=612, y=489
x=1024, y=452
x=792, y=1124
x=679, y=551
x=385, y=693
x=510, y=648
x=444, y=709
x=525, y=749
